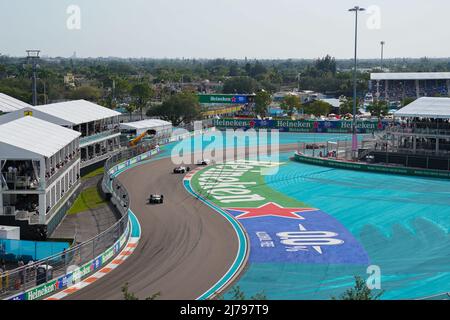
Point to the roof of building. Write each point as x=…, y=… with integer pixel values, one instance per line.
x=77, y=111
x=411, y=76
x=426, y=107
x=145, y=124
x=336, y=103
x=36, y=136
x=9, y=104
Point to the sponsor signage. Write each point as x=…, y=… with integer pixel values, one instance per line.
x=281, y=229
x=222, y=99
x=301, y=125
x=42, y=290
x=72, y=277
x=373, y=167
x=297, y=235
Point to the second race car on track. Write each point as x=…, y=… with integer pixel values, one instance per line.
x=181, y=169
x=203, y=162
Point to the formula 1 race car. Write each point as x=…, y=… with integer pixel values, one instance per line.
x=181, y=169
x=203, y=162
x=156, y=198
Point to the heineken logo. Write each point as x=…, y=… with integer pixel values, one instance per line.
x=281, y=229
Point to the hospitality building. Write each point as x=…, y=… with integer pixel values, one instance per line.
x=40, y=174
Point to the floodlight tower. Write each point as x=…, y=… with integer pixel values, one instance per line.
x=33, y=57
x=382, y=43
x=356, y=10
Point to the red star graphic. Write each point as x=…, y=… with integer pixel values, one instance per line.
x=233, y=99
x=271, y=209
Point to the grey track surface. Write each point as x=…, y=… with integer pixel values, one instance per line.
x=185, y=246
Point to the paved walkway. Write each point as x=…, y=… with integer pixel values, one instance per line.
x=87, y=224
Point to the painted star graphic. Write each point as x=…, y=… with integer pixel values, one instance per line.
x=270, y=209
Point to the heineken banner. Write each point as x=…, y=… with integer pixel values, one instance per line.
x=222, y=99
x=301, y=125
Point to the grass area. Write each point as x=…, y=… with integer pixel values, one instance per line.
x=94, y=173
x=88, y=199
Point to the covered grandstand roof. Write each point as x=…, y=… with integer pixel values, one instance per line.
x=435, y=108
x=145, y=124
x=29, y=137
x=77, y=111
x=9, y=104
x=411, y=76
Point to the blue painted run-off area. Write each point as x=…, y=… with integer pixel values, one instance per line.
x=13, y=250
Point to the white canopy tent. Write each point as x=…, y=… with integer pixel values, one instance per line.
x=410, y=76
x=77, y=111
x=64, y=113
x=10, y=104
x=32, y=138
x=426, y=107
x=144, y=125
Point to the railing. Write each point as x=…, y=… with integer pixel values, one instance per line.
x=87, y=140
x=442, y=296
x=26, y=277
x=423, y=131
x=72, y=265
x=98, y=158
x=14, y=181
x=68, y=267
x=58, y=171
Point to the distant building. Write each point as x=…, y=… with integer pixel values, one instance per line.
x=305, y=96
x=69, y=80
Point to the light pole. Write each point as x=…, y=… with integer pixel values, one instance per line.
x=356, y=9
x=33, y=56
x=382, y=54
x=298, y=78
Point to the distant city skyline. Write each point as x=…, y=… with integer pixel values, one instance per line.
x=232, y=29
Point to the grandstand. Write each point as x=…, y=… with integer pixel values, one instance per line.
x=420, y=138
x=398, y=86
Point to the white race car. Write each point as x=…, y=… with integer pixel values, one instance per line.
x=203, y=162
x=181, y=169
x=156, y=198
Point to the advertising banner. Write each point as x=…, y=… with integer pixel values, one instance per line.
x=320, y=126
x=222, y=99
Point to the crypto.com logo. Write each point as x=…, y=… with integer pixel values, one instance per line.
x=228, y=146
x=73, y=21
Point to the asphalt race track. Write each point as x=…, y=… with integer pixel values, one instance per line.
x=185, y=246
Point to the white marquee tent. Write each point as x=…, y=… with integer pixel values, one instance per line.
x=426, y=107
x=32, y=138
x=10, y=104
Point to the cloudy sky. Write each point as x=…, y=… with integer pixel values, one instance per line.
x=224, y=28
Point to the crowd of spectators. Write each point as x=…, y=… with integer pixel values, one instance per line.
x=54, y=169
x=401, y=89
